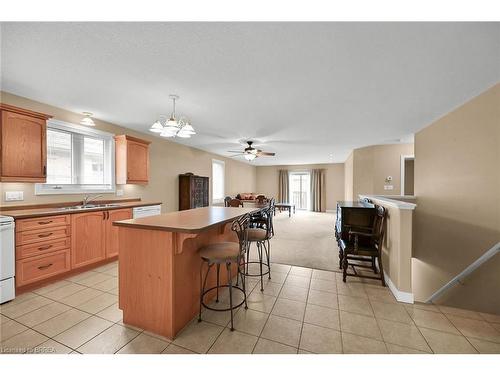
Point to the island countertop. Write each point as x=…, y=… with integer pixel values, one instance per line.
x=189, y=221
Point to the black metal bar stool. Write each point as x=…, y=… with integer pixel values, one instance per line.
x=260, y=233
x=227, y=253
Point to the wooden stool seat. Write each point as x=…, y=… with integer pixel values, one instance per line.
x=220, y=252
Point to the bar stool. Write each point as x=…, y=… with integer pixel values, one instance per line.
x=228, y=253
x=260, y=233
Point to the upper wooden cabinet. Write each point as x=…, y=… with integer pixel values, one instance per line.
x=23, y=156
x=132, y=160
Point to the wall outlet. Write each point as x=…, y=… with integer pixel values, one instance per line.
x=388, y=187
x=14, y=196
x=119, y=192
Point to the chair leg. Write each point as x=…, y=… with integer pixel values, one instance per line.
x=340, y=258
x=259, y=249
x=345, y=264
x=243, y=285
x=374, y=266
x=268, y=256
x=230, y=282
x=381, y=268
x=218, y=283
x=203, y=284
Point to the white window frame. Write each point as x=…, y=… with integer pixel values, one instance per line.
x=223, y=164
x=109, y=154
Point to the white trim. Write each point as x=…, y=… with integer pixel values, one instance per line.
x=402, y=181
x=400, y=296
x=60, y=189
x=391, y=202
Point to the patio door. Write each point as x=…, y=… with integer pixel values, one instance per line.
x=300, y=184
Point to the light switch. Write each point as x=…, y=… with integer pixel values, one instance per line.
x=14, y=196
x=388, y=187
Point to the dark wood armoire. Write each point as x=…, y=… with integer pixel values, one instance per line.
x=193, y=191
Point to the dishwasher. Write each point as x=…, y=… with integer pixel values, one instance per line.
x=144, y=211
x=7, y=255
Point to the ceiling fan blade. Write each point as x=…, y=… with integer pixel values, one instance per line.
x=235, y=151
x=233, y=156
x=262, y=153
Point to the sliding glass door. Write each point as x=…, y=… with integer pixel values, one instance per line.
x=300, y=183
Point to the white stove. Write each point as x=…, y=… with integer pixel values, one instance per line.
x=7, y=259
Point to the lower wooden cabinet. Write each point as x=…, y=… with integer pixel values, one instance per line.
x=112, y=245
x=88, y=238
x=40, y=267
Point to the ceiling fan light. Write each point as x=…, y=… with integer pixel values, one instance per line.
x=250, y=157
x=87, y=119
x=157, y=127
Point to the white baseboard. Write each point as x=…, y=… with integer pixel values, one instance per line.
x=400, y=296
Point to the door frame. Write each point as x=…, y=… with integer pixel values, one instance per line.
x=404, y=158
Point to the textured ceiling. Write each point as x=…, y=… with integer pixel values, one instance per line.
x=303, y=90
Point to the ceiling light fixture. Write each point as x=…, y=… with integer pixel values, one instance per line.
x=87, y=119
x=250, y=157
x=172, y=127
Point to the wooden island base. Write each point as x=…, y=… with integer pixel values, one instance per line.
x=159, y=268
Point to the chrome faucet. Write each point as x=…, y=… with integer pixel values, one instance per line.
x=88, y=199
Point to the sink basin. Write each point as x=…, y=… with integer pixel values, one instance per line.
x=82, y=207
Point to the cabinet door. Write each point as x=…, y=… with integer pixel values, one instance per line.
x=24, y=148
x=112, y=231
x=137, y=162
x=87, y=238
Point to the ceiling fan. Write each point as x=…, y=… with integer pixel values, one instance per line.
x=250, y=152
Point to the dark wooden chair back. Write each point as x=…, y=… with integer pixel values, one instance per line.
x=379, y=226
x=261, y=199
x=226, y=201
x=235, y=203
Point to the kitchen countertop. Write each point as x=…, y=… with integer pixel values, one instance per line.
x=51, y=211
x=188, y=221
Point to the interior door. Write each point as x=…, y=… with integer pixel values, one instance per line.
x=300, y=190
x=112, y=245
x=88, y=238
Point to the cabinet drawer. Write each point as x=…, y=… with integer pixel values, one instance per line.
x=41, y=267
x=47, y=234
x=44, y=247
x=42, y=222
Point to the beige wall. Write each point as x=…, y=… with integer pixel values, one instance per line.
x=167, y=160
x=371, y=165
x=457, y=184
x=267, y=180
x=348, y=177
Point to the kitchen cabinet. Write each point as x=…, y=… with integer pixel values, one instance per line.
x=23, y=145
x=132, y=160
x=112, y=231
x=88, y=238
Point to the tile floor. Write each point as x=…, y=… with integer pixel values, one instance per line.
x=301, y=310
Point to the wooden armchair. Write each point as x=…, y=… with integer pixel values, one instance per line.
x=235, y=203
x=227, y=200
x=365, y=245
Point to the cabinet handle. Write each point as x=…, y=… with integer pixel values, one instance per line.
x=45, y=222
x=44, y=247
x=45, y=267
x=107, y=215
x=46, y=235
x=104, y=215
x=45, y=170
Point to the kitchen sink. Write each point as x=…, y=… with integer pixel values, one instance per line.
x=88, y=206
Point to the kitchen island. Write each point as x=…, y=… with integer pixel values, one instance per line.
x=159, y=265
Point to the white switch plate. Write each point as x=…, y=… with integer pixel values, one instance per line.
x=14, y=196
x=388, y=187
x=119, y=192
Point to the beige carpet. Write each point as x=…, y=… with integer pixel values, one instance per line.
x=306, y=239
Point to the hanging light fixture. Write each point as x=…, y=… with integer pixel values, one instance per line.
x=87, y=119
x=172, y=127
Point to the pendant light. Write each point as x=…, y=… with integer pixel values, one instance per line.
x=172, y=127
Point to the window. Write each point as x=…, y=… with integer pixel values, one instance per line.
x=79, y=160
x=218, y=181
